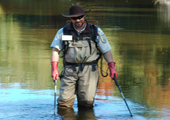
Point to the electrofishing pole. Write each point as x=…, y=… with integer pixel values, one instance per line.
x=55, y=96
x=122, y=95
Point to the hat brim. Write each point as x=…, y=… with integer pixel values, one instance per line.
x=76, y=15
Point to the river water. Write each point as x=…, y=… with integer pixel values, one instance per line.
x=139, y=36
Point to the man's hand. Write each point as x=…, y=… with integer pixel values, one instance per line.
x=112, y=68
x=54, y=70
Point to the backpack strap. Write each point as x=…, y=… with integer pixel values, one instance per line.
x=65, y=43
x=94, y=31
x=94, y=36
x=65, y=31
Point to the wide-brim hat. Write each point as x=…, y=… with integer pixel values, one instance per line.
x=75, y=11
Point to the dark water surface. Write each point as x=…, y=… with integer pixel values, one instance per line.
x=138, y=33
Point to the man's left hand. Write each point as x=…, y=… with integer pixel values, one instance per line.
x=112, y=68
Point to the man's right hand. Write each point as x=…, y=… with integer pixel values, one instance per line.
x=54, y=70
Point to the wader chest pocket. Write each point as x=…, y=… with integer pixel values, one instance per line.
x=78, y=52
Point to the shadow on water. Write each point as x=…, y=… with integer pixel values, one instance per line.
x=138, y=33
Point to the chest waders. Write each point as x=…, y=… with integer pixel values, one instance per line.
x=80, y=74
x=81, y=51
x=81, y=64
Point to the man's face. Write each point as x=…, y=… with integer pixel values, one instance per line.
x=79, y=21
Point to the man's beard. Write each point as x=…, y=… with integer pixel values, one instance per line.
x=82, y=24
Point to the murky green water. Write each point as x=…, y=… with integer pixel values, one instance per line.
x=139, y=36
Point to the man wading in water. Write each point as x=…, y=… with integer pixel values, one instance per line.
x=80, y=42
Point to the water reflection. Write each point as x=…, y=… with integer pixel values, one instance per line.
x=140, y=41
x=1, y=11
x=163, y=7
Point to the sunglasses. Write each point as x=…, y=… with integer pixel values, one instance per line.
x=75, y=18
